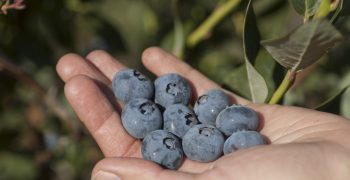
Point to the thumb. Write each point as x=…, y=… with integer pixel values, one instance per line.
x=134, y=169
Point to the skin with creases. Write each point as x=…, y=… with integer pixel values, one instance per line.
x=130, y=84
x=303, y=143
x=141, y=116
x=242, y=140
x=178, y=119
x=237, y=117
x=163, y=148
x=172, y=89
x=203, y=143
x=210, y=104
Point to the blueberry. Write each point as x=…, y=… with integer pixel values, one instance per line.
x=141, y=116
x=243, y=139
x=236, y=117
x=164, y=148
x=178, y=119
x=203, y=143
x=129, y=84
x=172, y=89
x=209, y=105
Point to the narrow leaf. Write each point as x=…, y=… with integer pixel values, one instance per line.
x=266, y=66
x=257, y=85
x=237, y=81
x=251, y=34
x=298, y=6
x=345, y=10
x=251, y=37
x=332, y=100
x=345, y=98
x=306, y=8
x=338, y=9
x=324, y=9
x=305, y=45
x=179, y=38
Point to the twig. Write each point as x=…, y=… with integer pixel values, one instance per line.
x=283, y=88
x=201, y=32
x=6, y=5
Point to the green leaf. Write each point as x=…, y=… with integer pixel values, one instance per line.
x=266, y=66
x=179, y=37
x=345, y=9
x=257, y=85
x=305, y=45
x=345, y=100
x=237, y=81
x=251, y=34
x=345, y=105
x=332, y=101
x=169, y=41
x=251, y=37
x=324, y=9
x=306, y=8
x=338, y=9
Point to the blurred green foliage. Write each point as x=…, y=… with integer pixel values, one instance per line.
x=38, y=141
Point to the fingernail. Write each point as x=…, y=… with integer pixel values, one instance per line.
x=103, y=175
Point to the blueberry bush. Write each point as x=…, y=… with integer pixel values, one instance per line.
x=269, y=51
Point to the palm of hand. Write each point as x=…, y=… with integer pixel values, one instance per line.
x=298, y=136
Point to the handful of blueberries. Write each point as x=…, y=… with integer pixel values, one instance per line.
x=170, y=129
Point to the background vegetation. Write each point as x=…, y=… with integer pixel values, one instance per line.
x=40, y=136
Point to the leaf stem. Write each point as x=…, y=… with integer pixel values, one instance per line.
x=179, y=39
x=201, y=32
x=284, y=87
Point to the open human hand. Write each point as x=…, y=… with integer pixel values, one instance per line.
x=304, y=144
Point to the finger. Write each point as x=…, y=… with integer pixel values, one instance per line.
x=100, y=117
x=105, y=63
x=135, y=169
x=160, y=62
x=71, y=65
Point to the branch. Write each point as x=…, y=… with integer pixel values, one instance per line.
x=203, y=30
x=6, y=5
x=50, y=101
x=283, y=88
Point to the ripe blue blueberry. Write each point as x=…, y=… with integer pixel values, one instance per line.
x=172, y=89
x=164, y=148
x=210, y=104
x=141, y=116
x=203, y=143
x=243, y=139
x=129, y=84
x=236, y=117
x=178, y=119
